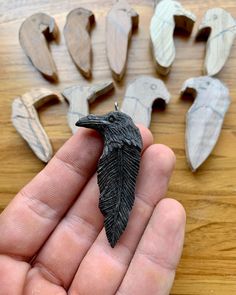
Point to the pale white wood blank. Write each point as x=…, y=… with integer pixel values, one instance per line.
x=79, y=97
x=205, y=118
x=219, y=29
x=26, y=121
x=168, y=15
x=140, y=96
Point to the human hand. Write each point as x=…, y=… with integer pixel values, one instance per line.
x=52, y=240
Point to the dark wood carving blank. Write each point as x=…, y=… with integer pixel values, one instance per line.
x=32, y=36
x=76, y=31
x=121, y=20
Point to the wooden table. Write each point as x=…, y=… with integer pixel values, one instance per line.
x=208, y=264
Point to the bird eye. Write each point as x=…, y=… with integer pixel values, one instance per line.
x=111, y=119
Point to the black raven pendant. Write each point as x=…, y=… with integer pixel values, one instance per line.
x=117, y=168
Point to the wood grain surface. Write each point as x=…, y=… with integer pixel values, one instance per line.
x=205, y=117
x=140, y=95
x=168, y=16
x=208, y=264
x=218, y=28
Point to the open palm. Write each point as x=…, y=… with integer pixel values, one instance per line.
x=52, y=239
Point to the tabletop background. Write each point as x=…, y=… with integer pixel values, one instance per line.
x=208, y=264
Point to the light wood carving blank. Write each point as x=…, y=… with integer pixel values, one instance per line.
x=219, y=29
x=140, y=96
x=79, y=98
x=205, y=118
x=32, y=36
x=26, y=121
x=76, y=31
x=168, y=15
x=121, y=20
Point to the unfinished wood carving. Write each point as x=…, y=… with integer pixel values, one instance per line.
x=26, y=121
x=32, y=36
x=79, y=98
x=219, y=29
x=205, y=118
x=140, y=96
x=121, y=20
x=76, y=31
x=168, y=15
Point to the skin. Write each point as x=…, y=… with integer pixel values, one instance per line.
x=52, y=236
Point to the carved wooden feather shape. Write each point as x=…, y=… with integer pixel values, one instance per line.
x=117, y=168
x=218, y=27
x=205, y=118
x=168, y=15
x=140, y=96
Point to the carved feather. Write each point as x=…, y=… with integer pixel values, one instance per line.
x=117, y=169
x=117, y=173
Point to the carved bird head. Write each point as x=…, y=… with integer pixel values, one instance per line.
x=148, y=90
x=117, y=128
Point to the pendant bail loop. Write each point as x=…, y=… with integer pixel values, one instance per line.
x=116, y=107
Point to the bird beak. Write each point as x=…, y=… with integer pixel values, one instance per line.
x=91, y=121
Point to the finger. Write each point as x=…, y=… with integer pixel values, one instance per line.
x=32, y=215
x=72, y=238
x=40, y=285
x=152, y=269
x=109, y=265
x=12, y=275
